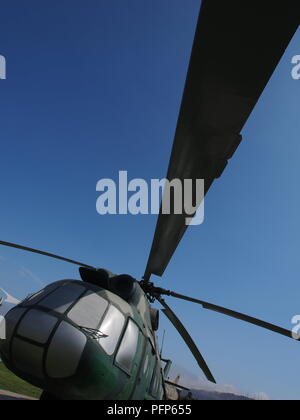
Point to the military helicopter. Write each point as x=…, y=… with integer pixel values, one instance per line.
x=94, y=339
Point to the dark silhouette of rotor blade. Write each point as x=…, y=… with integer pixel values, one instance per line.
x=237, y=47
x=238, y=315
x=188, y=340
x=47, y=254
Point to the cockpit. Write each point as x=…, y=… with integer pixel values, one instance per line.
x=57, y=323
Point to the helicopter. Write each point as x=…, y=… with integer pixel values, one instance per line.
x=94, y=338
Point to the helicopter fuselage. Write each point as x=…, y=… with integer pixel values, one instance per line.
x=76, y=340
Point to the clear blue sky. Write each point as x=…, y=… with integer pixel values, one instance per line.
x=93, y=88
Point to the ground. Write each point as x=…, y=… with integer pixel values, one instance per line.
x=10, y=382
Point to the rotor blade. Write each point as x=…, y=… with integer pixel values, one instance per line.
x=188, y=339
x=238, y=315
x=237, y=47
x=47, y=254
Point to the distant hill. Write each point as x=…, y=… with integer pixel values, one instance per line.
x=203, y=395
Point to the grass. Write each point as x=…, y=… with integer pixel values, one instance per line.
x=10, y=382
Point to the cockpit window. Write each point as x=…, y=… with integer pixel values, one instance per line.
x=37, y=297
x=155, y=383
x=128, y=347
x=63, y=298
x=111, y=327
x=89, y=310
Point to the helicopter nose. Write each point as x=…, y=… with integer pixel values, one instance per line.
x=47, y=334
x=41, y=346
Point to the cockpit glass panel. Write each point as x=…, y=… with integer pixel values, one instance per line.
x=63, y=298
x=88, y=311
x=111, y=328
x=128, y=347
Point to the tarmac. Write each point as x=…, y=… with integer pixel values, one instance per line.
x=10, y=396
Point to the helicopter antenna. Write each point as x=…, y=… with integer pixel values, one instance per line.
x=47, y=254
x=162, y=343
